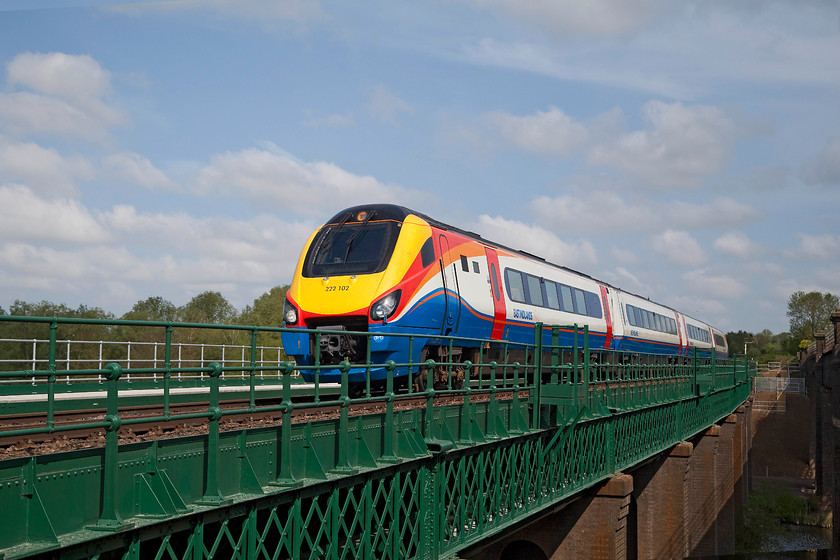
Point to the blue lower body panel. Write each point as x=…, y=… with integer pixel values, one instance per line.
x=388, y=343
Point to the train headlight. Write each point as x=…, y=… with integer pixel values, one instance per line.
x=290, y=313
x=385, y=306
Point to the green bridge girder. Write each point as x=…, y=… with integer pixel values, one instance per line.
x=524, y=434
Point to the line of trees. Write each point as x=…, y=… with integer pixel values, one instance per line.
x=808, y=312
x=206, y=308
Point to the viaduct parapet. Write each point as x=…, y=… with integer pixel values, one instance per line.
x=680, y=503
x=820, y=364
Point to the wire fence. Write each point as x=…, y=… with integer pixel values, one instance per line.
x=94, y=354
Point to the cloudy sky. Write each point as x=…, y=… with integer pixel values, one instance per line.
x=686, y=151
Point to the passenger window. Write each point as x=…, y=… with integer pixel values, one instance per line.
x=534, y=291
x=515, y=287
x=580, y=302
x=566, y=298
x=593, y=305
x=551, y=295
x=427, y=253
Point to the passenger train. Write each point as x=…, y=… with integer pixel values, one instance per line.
x=384, y=269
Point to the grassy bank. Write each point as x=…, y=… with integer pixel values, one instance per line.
x=769, y=511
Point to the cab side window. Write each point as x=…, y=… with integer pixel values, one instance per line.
x=427, y=253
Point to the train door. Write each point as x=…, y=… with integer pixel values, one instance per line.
x=452, y=293
x=607, y=317
x=497, y=293
x=683, y=343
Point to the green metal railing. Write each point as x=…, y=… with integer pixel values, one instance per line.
x=380, y=473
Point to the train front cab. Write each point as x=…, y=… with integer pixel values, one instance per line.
x=368, y=270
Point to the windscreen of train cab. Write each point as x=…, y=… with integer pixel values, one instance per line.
x=350, y=248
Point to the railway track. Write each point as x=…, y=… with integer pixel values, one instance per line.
x=83, y=429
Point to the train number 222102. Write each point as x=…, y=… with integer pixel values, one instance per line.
x=337, y=288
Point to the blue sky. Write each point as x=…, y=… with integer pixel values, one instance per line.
x=685, y=151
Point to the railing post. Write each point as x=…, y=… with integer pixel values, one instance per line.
x=343, y=462
x=253, y=369
x=714, y=367
x=388, y=454
x=493, y=405
x=538, y=349
x=694, y=369
x=109, y=518
x=51, y=368
x=167, y=370
x=285, y=476
x=212, y=493
x=430, y=399
x=586, y=371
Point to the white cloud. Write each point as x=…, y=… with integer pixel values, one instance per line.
x=716, y=286
x=600, y=212
x=625, y=280
x=825, y=168
x=737, y=244
x=721, y=211
x=583, y=66
x=817, y=247
x=263, y=238
x=536, y=240
x=624, y=256
x=788, y=43
x=678, y=248
x=275, y=179
x=135, y=169
x=702, y=307
x=681, y=146
x=565, y=18
x=44, y=169
x=26, y=216
x=384, y=106
x=549, y=132
x=595, y=212
x=129, y=254
x=77, y=77
x=67, y=97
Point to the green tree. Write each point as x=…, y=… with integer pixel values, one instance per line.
x=207, y=307
x=736, y=342
x=267, y=311
x=70, y=332
x=810, y=313
x=152, y=309
x=155, y=309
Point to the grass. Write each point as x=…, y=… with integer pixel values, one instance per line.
x=767, y=514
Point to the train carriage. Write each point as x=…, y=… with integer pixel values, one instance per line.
x=386, y=269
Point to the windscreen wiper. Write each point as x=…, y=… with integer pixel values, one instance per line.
x=327, y=241
x=350, y=239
